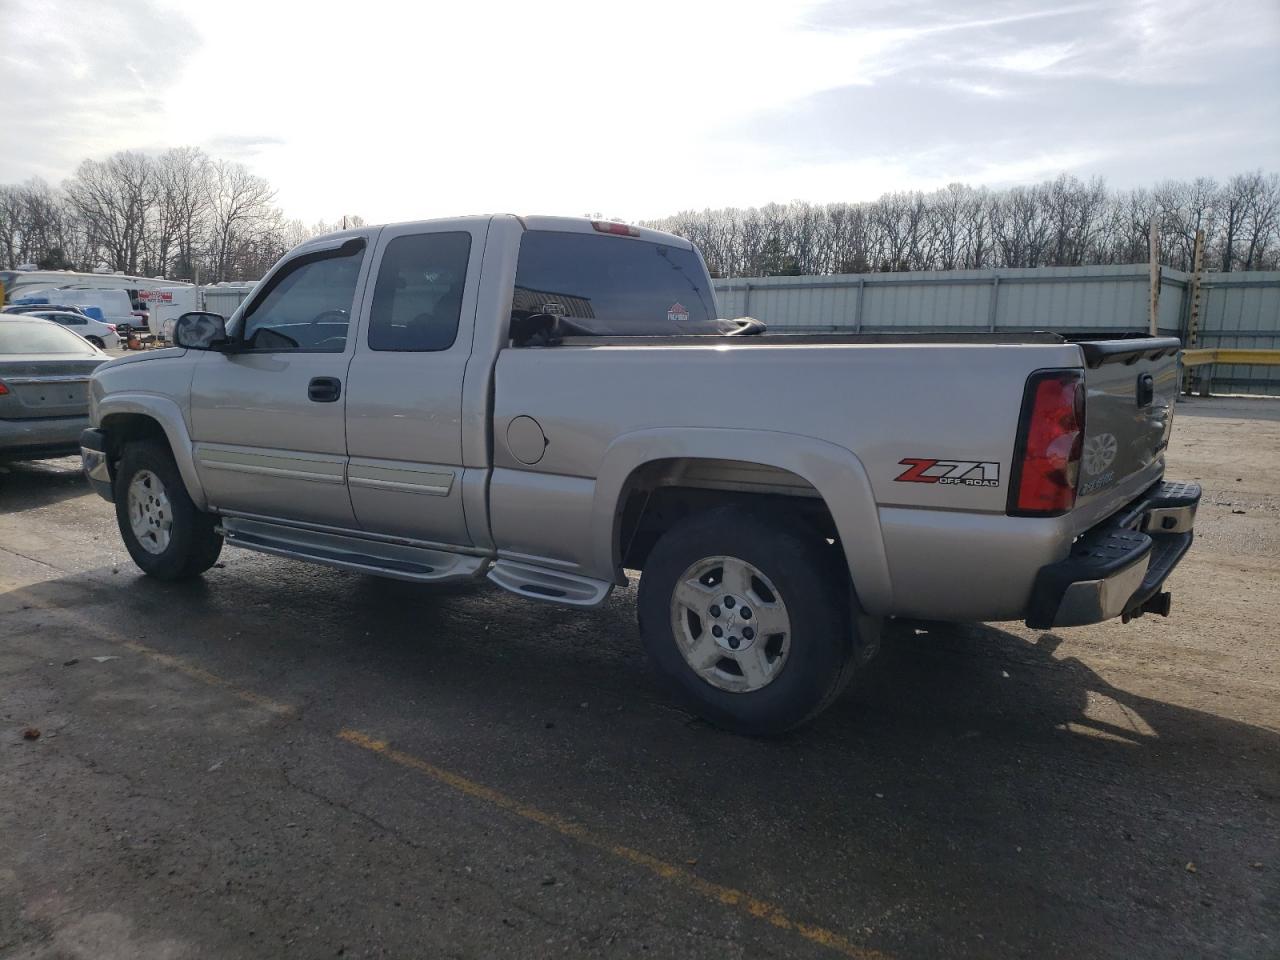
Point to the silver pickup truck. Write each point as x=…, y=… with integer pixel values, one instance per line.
x=550, y=402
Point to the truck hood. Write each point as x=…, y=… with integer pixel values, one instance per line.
x=142, y=356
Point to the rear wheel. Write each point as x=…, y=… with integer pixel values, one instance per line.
x=164, y=532
x=747, y=619
x=97, y=342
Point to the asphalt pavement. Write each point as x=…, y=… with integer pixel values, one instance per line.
x=285, y=760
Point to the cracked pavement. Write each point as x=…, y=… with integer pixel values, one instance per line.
x=979, y=791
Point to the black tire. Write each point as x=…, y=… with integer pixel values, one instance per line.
x=194, y=543
x=97, y=342
x=812, y=583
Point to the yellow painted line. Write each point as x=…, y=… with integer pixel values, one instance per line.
x=212, y=679
x=680, y=876
x=166, y=659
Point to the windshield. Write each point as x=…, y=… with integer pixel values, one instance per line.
x=24, y=337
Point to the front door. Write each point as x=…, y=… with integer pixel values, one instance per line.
x=404, y=412
x=268, y=418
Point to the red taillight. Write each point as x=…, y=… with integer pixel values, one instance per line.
x=110, y=326
x=617, y=229
x=1046, y=463
x=3, y=389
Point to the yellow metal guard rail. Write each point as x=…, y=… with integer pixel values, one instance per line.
x=1197, y=357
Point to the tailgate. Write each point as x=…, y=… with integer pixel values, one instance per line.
x=38, y=387
x=1131, y=387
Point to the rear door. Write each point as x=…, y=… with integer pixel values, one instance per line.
x=404, y=402
x=1131, y=387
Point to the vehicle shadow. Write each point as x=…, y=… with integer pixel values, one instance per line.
x=970, y=773
x=39, y=483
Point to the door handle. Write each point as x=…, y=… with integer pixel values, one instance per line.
x=324, y=389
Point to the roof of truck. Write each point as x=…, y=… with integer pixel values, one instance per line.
x=535, y=222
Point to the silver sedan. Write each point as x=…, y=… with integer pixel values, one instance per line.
x=44, y=380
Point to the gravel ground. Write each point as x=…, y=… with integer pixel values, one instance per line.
x=286, y=760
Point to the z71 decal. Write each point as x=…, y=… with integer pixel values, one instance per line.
x=971, y=473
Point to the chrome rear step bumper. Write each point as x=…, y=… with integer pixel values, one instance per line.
x=1117, y=568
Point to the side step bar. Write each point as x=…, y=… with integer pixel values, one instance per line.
x=539, y=583
x=397, y=560
x=407, y=561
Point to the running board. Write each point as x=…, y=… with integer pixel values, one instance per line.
x=396, y=560
x=539, y=583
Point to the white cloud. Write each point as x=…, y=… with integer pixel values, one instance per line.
x=1033, y=59
x=398, y=110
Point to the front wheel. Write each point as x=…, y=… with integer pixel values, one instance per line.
x=748, y=619
x=164, y=532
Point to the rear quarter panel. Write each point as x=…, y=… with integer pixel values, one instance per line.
x=956, y=403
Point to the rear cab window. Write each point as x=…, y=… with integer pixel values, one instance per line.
x=601, y=285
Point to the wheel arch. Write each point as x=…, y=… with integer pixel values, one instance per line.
x=134, y=417
x=824, y=480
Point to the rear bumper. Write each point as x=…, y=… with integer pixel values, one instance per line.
x=1117, y=568
x=40, y=437
x=97, y=467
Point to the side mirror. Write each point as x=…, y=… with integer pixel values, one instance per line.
x=201, y=331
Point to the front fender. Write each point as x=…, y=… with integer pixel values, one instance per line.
x=835, y=472
x=166, y=412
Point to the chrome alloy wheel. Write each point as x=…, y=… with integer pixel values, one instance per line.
x=150, y=515
x=731, y=624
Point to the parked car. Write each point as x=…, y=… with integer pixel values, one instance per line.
x=21, y=308
x=110, y=305
x=102, y=335
x=549, y=402
x=44, y=399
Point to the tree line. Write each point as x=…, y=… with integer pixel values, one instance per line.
x=1061, y=222
x=180, y=214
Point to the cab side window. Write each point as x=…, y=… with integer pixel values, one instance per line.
x=308, y=305
x=417, y=299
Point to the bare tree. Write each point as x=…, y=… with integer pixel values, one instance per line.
x=1240, y=197
x=241, y=210
x=1261, y=218
x=112, y=198
x=183, y=203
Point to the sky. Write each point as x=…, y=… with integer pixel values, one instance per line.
x=416, y=108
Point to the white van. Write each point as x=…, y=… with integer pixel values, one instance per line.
x=165, y=304
x=116, y=306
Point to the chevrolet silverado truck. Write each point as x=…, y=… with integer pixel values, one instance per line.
x=551, y=402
